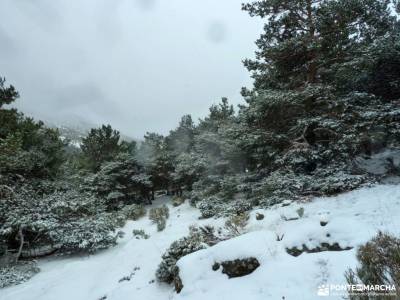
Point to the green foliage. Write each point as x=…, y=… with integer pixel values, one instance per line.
x=121, y=182
x=7, y=94
x=304, y=38
x=27, y=148
x=156, y=159
x=180, y=140
x=373, y=69
x=101, y=145
x=189, y=167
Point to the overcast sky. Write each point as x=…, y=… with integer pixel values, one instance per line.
x=136, y=64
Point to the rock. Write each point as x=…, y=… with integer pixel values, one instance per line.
x=239, y=267
x=323, y=247
x=215, y=266
x=259, y=216
x=323, y=223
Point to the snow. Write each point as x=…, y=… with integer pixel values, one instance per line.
x=378, y=163
x=352, y=218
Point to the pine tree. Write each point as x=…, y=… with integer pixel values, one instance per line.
x=101, y=145
x=303, y=38
x=121, y=182
x=181, y=139
x=156, y=159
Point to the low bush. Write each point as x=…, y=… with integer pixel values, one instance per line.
x=379, y=264
x=140, y=233
x=134, y=211
x=159, y=216
x=17, y=273
x=235, y=224
x=176, y=201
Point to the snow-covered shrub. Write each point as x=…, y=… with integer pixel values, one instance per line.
x=240, y=206
x=379, y=264
x=176, y=200
x=159, y=216
x=161, y=224
x=88, y=235
x=167, y=269
x=228, y=188
x=17, y=273
x=210, y=206
x=275, y=188
x=236, y=223
x=67, y=221
x=140, y=233
x=133, y=211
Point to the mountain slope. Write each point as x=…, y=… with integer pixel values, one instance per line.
x=352, y=219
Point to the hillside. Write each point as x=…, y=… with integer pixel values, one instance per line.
x=353, y=218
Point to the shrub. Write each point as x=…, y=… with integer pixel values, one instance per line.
x=140, y=233
x=167, y=270
x=379, y=264
x=236, y=224
x=161, y=224
x=176, y=201
x=17, y=273
x=69, y=221
x=210, y=206
x=240, y=206
x=159, y=216
x=134, y=211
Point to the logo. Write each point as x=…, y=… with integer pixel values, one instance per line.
x=323, y=290
x=355, y=289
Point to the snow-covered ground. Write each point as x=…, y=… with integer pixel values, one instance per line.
x=352, y=219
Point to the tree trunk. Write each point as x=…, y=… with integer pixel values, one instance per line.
x=312, y=67
x=21, y=242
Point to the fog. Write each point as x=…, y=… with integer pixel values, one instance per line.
x=138, y=65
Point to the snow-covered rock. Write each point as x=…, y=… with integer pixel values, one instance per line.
x=353, y=217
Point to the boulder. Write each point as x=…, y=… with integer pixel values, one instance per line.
x=238, y=267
